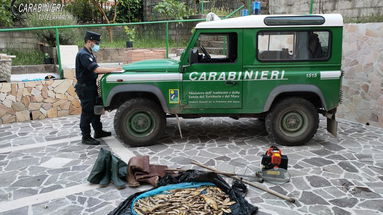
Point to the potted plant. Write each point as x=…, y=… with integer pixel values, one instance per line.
x=131, y=35
x=47, y=59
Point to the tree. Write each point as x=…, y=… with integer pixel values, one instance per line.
x=172, y=9
x=103, y=8
x=6, y=18
x=129, y=11
x=84, y=11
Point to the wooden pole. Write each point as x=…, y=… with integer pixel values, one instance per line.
x=259, y=179
x=218, y=172
x=292, y=200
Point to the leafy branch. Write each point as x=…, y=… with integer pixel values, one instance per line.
x=102, y=8
x=172, y=9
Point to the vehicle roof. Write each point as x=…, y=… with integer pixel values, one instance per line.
x=258, y=21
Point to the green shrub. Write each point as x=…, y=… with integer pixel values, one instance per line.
x=172, y=9
x=6, y=19
x=25, y=57
x=130, y=33
x=223, y=12
x=129, y=11
x=144, y=43
x=84, y=11
x=68, y=36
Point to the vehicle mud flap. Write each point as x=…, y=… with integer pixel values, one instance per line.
x=332, y=125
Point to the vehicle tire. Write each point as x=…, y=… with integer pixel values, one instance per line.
x=292, y=121
x=139, y=122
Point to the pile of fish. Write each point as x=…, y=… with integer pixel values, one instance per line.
x=190, y=201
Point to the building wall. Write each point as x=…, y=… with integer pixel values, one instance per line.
x=363, y=79
x=350, y=9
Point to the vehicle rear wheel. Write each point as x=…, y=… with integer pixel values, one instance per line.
x=139, y=122
x=292, y=121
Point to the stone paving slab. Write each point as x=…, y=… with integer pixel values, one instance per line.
x=342, y=175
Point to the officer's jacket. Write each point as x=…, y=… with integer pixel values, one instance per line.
x=85, y=65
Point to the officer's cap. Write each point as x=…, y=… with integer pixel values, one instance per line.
x=90, y=35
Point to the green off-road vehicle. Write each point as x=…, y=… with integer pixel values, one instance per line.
x=282, y=69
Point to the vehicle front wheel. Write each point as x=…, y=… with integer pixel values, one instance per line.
x=139, y=122
x=292, y=121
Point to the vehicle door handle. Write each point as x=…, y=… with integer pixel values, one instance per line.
x=230, y=83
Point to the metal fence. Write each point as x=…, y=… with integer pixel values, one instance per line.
x=57, y=33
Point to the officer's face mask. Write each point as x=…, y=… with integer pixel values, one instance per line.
x=96, y=48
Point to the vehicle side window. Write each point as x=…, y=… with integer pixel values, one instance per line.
x=217, y=48
x=293, y=45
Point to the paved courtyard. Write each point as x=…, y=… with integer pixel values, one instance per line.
x=43, y=165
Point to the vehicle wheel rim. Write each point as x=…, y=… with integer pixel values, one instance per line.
x=140, y=124
x=293, y=123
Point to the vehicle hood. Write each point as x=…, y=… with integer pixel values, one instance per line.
x=160, y=65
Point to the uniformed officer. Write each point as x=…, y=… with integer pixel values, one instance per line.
x=87, y=71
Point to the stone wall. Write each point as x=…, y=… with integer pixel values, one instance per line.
x=350, y=9
x=5, y=68
x=18, y=40
x=128, y=55
x=363, y=79
x=24, y=101
x=112, y=55
x=30, y=69
x=177, y=32
x=145, y=54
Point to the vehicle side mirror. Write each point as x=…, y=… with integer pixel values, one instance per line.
x=193, y=56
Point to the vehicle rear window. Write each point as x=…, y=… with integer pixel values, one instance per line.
x=293, y=45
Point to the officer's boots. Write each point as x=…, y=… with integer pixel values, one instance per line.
x=101, y=134
x=88, y=140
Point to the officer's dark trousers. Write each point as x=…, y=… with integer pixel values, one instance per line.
x=88, y=97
